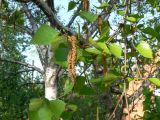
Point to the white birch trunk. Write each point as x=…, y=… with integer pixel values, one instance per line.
x=51, y=82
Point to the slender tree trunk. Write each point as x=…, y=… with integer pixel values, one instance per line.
x=50, y=82
x=51, y=75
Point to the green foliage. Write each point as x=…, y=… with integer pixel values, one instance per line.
x=17, y=17
x=45, y=35
x=144, y=49
x=151, y=108
x=115, y=49
x=111, y=76
x=68, y=86
x=131, y=19
x=43, y=109
x=102, y=6
x=155, y=81
x=61, y=53
x=103, y=47
x=93, y=50
x=71, y=5
x=104, y=32
x=120, y=12
x=90, y=17
x=150, y=31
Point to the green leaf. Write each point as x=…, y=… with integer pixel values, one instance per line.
x=105, y=30
x=57, y=107
x=155, y=81
x=35, y=104
x=104, y=47
x=128, y=29
x=67, y=115
x=59, y=41
x=88, y=16
x=102, y=6
x=71, y=5
x=157, y=101
x=120, y=12
x=93, y=51
x=157, y=28
x=131, y=19
x=61, y=54
x=150, y=31
x=144, y=49
x=45, y=35
x=72, y=107
x=129, y=79
x=94, y=43
x=42, y=113
x=68, y=86
x=79, y=83
x=111, y=76
x=86, y=91
x=45, y=113
x=115, y=49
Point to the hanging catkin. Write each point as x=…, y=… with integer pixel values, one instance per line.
x=72, y=57
x=85, y=5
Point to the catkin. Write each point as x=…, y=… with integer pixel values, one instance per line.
x=85, y=5
x=72, y=57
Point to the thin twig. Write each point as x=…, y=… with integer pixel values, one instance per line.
x=114, y=111
x=125, y=57
x=22, y=63
x=74, y=15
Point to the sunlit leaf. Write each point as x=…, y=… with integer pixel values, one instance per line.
x=131, y=19
x=102, y=6
x=104, y=47
x=93, y=51
x=88, y=16
x=144, y=49
x=120, y=12
x=155, y=81
x=115, y=49
x=45, y=35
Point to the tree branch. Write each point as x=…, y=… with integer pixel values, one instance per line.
x=24, y=29
x=51, y=5
x=40, y=49
x=30, y=17
x=74, y=15
x=105, y=15
x=22, y=63
x=52, y=17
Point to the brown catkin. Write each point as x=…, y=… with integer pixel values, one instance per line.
x=72, y=57
x=85, y=5
x=100, y=22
